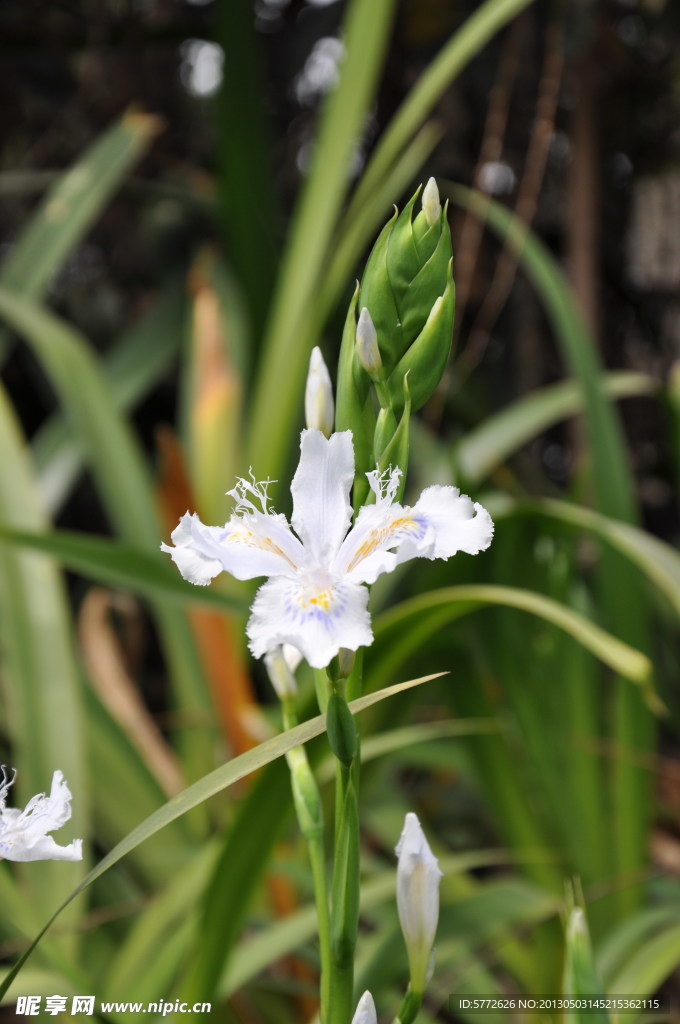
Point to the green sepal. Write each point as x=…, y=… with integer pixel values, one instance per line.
x=427, y=235
x=403, y=263
x=342, y=733
x=377, y=294
x=385, y=428
x=345, y=887
x=426, y=285
x=427, y=357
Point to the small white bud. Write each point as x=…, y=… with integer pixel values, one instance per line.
x=367, y=344
x=432, y=207
x=418, y=878
x=365, y=1011
x=280, y=672
x=319, y=408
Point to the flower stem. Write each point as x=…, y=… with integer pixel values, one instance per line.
x=408, y=1011
x=309, y=812
x=345, y=885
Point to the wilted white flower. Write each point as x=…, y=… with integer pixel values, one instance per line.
x=315, y=598
x=23, y=834
x=418, y=878
x=367, y=344
x=319, y=407
x=365, y=1011
x=432, y=206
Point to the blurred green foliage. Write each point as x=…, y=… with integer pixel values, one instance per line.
x=533, y=760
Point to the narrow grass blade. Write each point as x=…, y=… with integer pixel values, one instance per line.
x=131, y=369
x=122, y=565
x=215, y=782
x=73, y=202
x=623, y=601
x=288, y=343
x=442, y=606
x=488, y=19
x=501, y=434
x=580, y=975
x=656, y=559
x=123, y=482
x=41, y=683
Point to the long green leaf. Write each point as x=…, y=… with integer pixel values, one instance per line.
x=288, y=341
x=623, y=601
x=649, y=965
x=73, y=202
x=41, y=682
x=656, y=559
x=215, y=782
x=122, y=565
x=122, y=479
x=284, y=937
x=488, y=19
x=131, y=368
x=501, y=434
x=441, y=606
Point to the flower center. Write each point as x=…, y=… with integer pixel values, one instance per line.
x=316, y=592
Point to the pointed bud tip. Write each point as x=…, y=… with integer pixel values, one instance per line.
x=432, y=206
x=365, y=1012
x=367, y=344
x=319, y=405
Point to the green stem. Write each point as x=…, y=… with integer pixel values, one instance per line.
x=310, y=819
x=409, y=1009
x=345, y=887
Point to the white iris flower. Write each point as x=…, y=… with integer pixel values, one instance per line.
x=23, y=834
x=315, y=598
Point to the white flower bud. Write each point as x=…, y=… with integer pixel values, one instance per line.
x=367, y=344
x=319, y=408
x=365, y=1011
x=418, y=877
x=280, y=672
x=432, y=207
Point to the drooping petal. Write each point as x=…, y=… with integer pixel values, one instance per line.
x=24, y=834
x=320, y=489
x=255, y=544
x=457, y=524
x=315, y=613
x=43, y=848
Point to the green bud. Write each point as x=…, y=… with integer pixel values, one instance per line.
x=407, y=271
x=426, y=359
x=342, y=734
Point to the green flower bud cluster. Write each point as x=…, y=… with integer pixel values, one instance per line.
x=397, y=336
